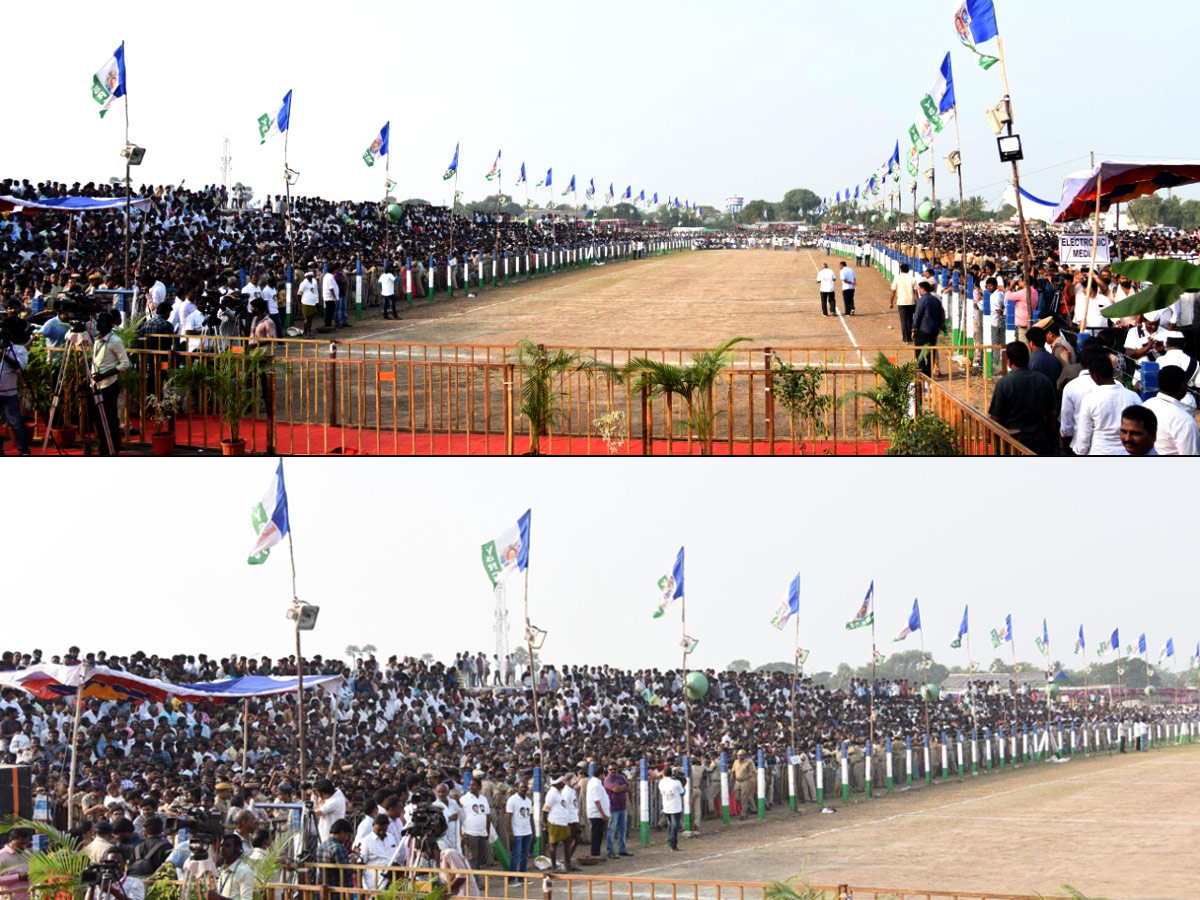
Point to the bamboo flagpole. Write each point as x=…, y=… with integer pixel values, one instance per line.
x=1016, y=184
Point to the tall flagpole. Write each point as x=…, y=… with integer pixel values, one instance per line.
x=128, y=187
x=795, y=674
x=971, y=687
x=925, y=681
x=300, y=711
x=287, y=191
x=687, y=709
x=962, y=216
x=533, y=682
x=871, y=692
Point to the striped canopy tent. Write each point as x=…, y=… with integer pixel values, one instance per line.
x=1120, y=182
x=55, y=682
x=69, y=204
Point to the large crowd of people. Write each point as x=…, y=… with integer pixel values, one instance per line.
x=466, y=730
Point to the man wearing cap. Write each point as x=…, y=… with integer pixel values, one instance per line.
x=745, y=782
x=101, y=844
x=309, y=300
x=558, y=823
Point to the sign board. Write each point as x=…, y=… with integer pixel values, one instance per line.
x=1076, y=250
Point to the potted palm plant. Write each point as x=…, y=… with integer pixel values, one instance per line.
x=162, y=408
x=541, y=401
x=232, y=380
x=692, y=383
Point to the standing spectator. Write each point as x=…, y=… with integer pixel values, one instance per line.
x=672, y=806
x=477, y=819
x=903, y=300
x=1098, y=424
x=849, y=280
x=599, y=811
x=558, y=824
x=1041, y=359
x=745, y=782
x=12, y=364
x=927, y=325
x=1025, y=401
x=329, y=806
x=334, y=854
x=13, y=862
x=387, y=288
x=1177, y=433
x=108, y=359
x=826, y=280
x=330, y=294
x=617, y=786
x=340, y=314
x=309, y=300
x=519, y=810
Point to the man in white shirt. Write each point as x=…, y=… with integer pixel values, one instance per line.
x=520, y=825
x=558, y=820
x=452, y=812
x=827, y=281
x=1098, y=424
x=330, y=293
x=251, y=291
x=599, y=809
x=849, y=283
x=672, y=806
x=1177, y=356
x=477, y=820
x=904, y=301
x=377, y=849
x=271, y=295
x=1178, y=434
x=310, y=300
x=387, y=287
x=329, y=805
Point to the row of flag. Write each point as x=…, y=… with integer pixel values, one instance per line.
x=975, y=25
x=509, y=553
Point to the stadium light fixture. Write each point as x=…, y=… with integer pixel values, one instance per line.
x=1010, y=148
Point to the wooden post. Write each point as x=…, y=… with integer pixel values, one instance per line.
x=509, y=385
x=769, y=404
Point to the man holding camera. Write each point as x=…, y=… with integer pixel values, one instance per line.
x=108, y=359
x=14, y=357
x=119, y=885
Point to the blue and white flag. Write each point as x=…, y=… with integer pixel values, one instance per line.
x=548, y=181
x=1003, y=633
x=856, y=193
x=1142, y=642
x=611, y=195
x=628, y=192
x=1080, y=645
x=838, y=200
x=452, y=169
x=269, y=125
x=1043, y=642
x=655, y=199
x=866, y=612
x=270, y=519
x=670, y=587
x=913, y=624
x=962, y=629
x=975, y=24
x=1167, y=651
x=570, y=187
x=379, y=146
x=521, y=179
x=108, y=84
x=940, y=99
x=509, y=552
x=790, y=605
x=591, y=189
x=494, y=173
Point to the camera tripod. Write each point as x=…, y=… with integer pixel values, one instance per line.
x=75, y=363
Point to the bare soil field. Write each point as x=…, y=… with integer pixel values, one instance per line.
x=1119, y=827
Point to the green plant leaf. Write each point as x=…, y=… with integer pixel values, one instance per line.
x=1161, y=271
x=1155, y=297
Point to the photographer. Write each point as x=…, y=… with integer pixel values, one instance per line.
x=152, y=852
x=111, y=882
x=108, y=358
x=235, y=878
x=14, y=357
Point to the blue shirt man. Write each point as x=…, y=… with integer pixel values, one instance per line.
x=54, y=331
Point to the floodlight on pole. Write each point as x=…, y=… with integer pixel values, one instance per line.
x=1010, y=148
x=535, y=636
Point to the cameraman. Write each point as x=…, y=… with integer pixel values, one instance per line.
x=108, y=358
x=122, y=886
x=14, y=357
x=235, y=878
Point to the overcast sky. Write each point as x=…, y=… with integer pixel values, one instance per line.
x=390, y=550
x=703, y=99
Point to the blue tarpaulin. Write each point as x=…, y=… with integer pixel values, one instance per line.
x=71, y=204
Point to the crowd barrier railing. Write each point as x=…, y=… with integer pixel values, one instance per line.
x=975, y=433
x=386, y=398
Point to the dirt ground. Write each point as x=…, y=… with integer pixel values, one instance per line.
x=1116, y=827
x=685, y=299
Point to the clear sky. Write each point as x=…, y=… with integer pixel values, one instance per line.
x=390, y=550
x=702, y=99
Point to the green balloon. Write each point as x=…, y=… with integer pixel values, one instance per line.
x=926, y=211
x=1053, y=688
x=395, y=212
x=1151, y=690
x=695, y=685
x=930, y=692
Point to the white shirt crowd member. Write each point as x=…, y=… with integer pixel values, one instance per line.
x=672, y=794
x=521, y=810
x=827, y=280
x=1098, y=424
